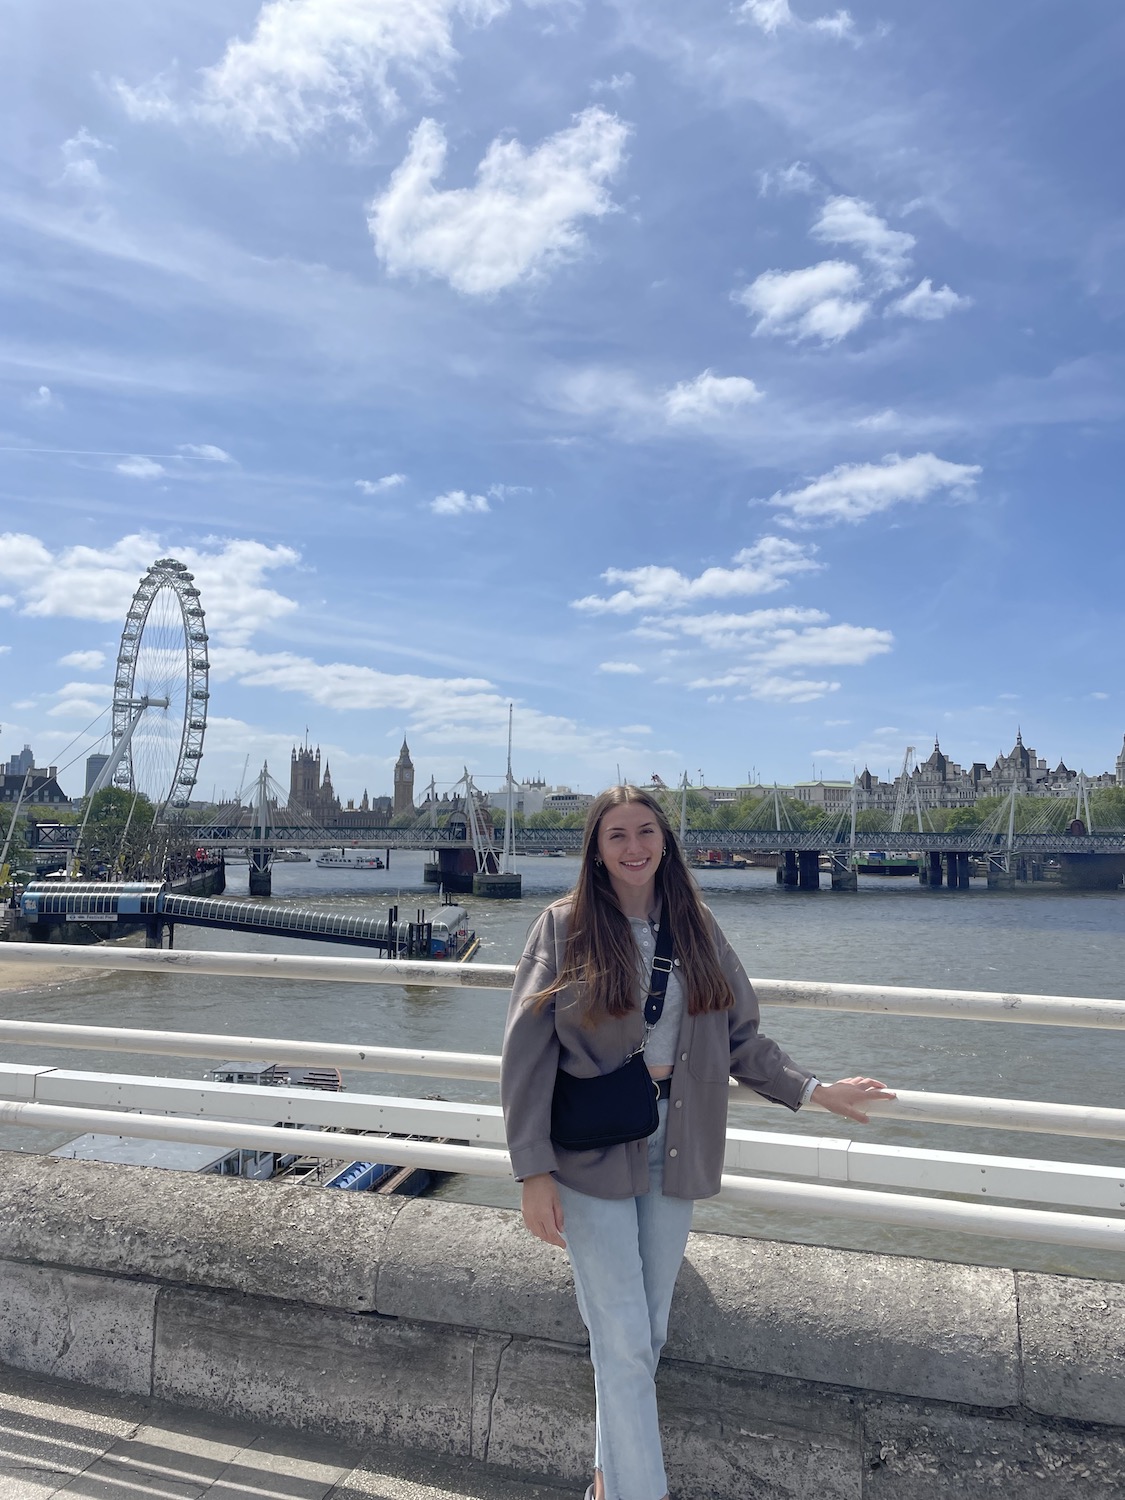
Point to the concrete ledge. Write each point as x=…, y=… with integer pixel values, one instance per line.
x=791, y=1370
x=311, y=1247
x=77, y=1327
x=876, y=1322
x=1072, y=1335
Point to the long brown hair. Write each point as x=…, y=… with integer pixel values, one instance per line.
x=601, y=954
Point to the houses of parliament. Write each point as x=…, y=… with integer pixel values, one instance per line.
x=313, y=794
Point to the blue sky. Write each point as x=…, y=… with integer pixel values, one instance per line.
x=729, y=386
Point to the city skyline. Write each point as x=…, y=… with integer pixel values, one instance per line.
x=734, y=388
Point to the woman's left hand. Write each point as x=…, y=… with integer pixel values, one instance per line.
x=848, y=1096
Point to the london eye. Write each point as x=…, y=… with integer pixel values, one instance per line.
x=160, y=691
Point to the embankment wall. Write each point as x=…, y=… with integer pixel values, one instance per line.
x=790, y=1371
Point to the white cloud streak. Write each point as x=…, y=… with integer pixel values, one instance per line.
x=459, y=503
x=772, y=16
x=852, y=222
x=519, y=220
x=312, y=65
x=851, y=492
x=139, y=467
x=206, y=451
x=761, y=569
x=380, y=486
x=621, y=668
x=817, y=302
x=709, y=397
x=926, y=303
x=85, y=661
x=97, y=583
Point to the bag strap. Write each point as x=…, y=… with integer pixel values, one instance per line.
x=662, y=966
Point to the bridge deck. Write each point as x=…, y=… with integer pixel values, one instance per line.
x=64, y=1439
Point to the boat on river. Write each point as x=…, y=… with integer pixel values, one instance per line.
x=349, y=859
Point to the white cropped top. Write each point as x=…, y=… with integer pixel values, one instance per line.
x=660, y=1049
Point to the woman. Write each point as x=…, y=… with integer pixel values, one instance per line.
x=622, y=1212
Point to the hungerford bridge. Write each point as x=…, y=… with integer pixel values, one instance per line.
x=1092, y=860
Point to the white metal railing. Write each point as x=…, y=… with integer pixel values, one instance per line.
x=946, y=1005
x=848, y=1179
x=1092, y=1121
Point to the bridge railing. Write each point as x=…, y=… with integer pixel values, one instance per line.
x=831, y=1176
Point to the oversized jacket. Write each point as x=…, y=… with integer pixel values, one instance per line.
x=712, y=1049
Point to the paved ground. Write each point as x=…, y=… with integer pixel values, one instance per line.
x=75, y=1442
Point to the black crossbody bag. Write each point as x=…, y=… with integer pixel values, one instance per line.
x=587, y=1113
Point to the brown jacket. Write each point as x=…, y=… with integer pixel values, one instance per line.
x=712, y=1049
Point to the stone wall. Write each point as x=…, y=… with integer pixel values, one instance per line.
x=790, y=1371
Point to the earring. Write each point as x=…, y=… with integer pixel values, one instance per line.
x=664, y=852
x=597, y=861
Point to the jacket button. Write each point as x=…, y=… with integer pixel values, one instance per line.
x=679, y=1104
x=673, y=1152
x=683, y=1057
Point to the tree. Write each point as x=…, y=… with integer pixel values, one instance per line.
x=118, y=836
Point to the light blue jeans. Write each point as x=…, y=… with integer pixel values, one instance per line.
x=626, y=1255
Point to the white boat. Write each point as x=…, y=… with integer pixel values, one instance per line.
x=348, y=859
x=290, y=856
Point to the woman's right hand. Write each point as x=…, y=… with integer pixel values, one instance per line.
x=542, y=1209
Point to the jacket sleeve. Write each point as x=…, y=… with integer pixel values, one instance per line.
x=530, y=1058
x=757, y=1062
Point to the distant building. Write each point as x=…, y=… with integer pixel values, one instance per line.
x=404, y=782
x=42, y=789
x=95, y=764
x=308, y=793
x=20, y=764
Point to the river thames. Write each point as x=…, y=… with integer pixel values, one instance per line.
x=890, y=932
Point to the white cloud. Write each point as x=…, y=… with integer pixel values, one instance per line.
x=827, y=646
x=851, y=492
x=380, y=486
x=4, y=650
x=761, y=569
x=709, y=396
x=622, y=668
x=470, y=709
x=774, y=15
x=795, y=178
x=517, y=221
x=925, y=302
x=91, y=583
x=751, y=631
x=851, y=221
x=458, y=503
x=311, y=64
x=139, y=467
x=41, y=399
x=207, y=451
x=879, y=421
x=86, y=661
x=818, y=301
x=80, y=166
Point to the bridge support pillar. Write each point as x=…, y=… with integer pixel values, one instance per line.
x=261, y=872
x=1091, y=872
x=962, y=872
x=456, y=868
x=154, y=938
x=808, y=870
x=844, y=876
x=787, y=868
x=929, y=869
x=999, y=878
x=499, y=887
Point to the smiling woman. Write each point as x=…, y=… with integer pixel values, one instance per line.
x=629, y=1014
